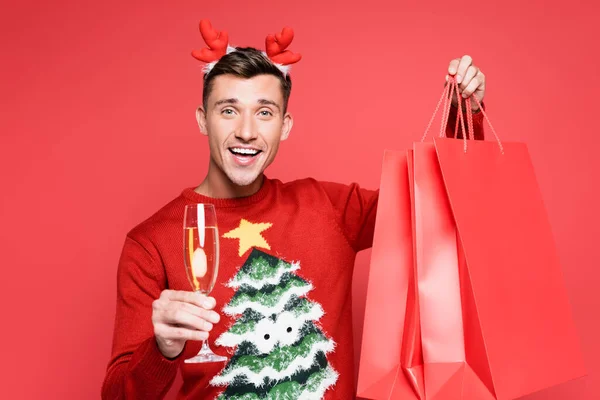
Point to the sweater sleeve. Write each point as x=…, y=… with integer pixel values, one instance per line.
x=355, y=210
x=477, y=124
x=137, y=369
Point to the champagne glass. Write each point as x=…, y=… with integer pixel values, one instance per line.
x=201, y=259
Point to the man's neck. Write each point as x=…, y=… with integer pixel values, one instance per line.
x=218, y=186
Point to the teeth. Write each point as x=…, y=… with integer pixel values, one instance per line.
x=245, y=151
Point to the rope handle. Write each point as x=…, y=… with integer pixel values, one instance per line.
x=446, y=98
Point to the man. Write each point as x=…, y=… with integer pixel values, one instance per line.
x=314, y=229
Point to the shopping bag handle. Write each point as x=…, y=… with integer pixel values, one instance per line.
x=446, y=97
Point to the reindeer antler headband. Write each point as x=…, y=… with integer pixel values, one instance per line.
x=218, y=46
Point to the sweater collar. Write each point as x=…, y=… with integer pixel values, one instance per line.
x=194, y=197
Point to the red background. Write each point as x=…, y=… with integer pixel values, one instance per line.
x=97, y=131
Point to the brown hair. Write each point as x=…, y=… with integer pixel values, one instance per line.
x=246, y=62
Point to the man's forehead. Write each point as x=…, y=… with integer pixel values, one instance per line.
x=258, y=89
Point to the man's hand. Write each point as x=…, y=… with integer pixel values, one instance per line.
x=179, y=316
x=470, y=79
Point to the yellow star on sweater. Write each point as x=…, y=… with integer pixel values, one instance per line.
x=249, y=235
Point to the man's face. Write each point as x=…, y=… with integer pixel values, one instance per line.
x=244, y=122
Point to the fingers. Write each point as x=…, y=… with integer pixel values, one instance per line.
x=463, y=66
x=178, y=316
x=471, y=72
x=192, y=311
x=453, y=67
x=167, y=333
x=470, y=79
x=459, y=67
x=477, y=83
x=185, y=314
x=197, y=299
x=194, y=317
x=200, y=312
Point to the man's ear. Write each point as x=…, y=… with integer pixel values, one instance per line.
x=201, y=118
x=288, y=123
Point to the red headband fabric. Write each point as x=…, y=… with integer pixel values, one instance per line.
x=216, y=41
x=218, y=44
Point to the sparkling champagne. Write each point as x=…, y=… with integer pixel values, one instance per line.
x=201, y=257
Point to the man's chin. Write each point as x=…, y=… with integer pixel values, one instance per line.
x=245, y=180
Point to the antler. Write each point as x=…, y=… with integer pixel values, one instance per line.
x=276, y=47
x=216, y=41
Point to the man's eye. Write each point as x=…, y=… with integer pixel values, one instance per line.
x=227, y=111
x=266, y=113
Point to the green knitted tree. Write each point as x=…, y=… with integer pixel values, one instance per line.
x=280, y=352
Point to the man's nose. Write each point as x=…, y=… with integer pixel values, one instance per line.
x=247, y=129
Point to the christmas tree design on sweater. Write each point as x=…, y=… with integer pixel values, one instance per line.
x=280, y=351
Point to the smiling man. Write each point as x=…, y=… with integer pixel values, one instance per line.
x=281, y=311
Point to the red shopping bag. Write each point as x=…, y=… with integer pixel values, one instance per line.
x=512, y=270
x=486, y=316
x=455, y=364
x=381, y=376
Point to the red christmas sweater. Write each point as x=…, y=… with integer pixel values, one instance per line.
x=283, y=291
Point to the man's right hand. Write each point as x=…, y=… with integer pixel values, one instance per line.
x=179, y=316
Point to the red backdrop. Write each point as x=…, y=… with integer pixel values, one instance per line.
x=98, y=131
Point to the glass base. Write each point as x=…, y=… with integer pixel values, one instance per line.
x=205, y=356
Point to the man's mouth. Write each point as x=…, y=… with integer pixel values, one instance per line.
x=239, y=151
x=244, y=156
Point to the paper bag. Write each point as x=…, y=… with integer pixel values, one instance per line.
x=465, y=298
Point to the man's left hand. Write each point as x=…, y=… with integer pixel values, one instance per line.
x=470, y=79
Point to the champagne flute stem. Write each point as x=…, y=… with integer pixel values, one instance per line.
x=205, y=348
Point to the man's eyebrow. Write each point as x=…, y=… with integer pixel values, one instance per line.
x=226, y=101
x=269, y=102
